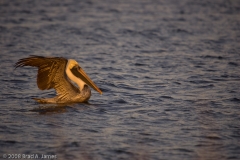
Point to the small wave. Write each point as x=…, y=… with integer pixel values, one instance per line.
x=213, y=137
x=212, y=57
x=120, y=101
x=166, y=97
x=7, y=142
x=233, y=64
x=206, y=86
x=235, y=99
x=183, y=150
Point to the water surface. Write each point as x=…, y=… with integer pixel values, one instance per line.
x=169, y=72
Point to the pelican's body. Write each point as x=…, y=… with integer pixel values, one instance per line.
x=57, y=73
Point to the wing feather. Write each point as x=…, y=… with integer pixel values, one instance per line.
x=51, y=74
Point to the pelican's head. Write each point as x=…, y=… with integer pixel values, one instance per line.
x=72, y=63
x=79, y=73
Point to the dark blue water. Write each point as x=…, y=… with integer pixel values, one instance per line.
x=169, y=72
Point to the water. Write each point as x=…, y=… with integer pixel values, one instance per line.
x=169, y=72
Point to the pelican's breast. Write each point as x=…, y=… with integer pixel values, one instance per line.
x=84, y=95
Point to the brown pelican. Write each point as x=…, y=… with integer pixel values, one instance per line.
x=57, y=73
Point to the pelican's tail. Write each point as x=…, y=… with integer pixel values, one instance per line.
x=45, y=100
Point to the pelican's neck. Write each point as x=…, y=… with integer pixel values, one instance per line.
x=78, y=81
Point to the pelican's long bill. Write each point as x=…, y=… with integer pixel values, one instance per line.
x=79, y=72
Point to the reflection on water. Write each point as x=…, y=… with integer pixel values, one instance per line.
x=60, y=108
x=169, y=72
x=45, y=109
x=208, y=146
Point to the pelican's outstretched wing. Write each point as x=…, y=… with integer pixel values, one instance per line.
x=51, y=74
